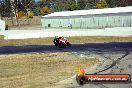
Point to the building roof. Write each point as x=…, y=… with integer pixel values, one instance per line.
x=90, y=12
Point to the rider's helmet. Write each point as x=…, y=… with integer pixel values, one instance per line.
x=60, y=37
x=56, y=37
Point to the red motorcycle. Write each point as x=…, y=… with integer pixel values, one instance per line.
x=64, y=44
x=61, y=42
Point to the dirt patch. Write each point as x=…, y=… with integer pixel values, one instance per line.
x=39, y=70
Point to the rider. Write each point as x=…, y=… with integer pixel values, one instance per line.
x=62, y=39
x=56, y=39
x=65, y=39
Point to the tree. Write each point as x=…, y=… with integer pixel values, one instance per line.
x=45, y=10
x=90, y=4
x=20, y=14
x=73, y=7
x=36, y=11
x=5, y=8
x=35, y=8
x=1, y=9
x=102, y=4
x=30, y=14
x=82, y=4
x=119, y=3
x=14, y=10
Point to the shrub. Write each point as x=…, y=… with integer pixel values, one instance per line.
x=30, y=15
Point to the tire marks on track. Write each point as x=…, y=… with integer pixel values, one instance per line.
x=113, y=64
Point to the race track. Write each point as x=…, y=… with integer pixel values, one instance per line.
x=116, y=59
x=98, y=47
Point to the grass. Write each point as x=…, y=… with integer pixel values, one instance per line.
x=32, y=86
x=73, y=40
x=99, y=39
x=1, y=37
x=18, y=42
x=39, y=70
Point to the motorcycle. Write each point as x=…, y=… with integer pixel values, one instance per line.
x=64, y=44
x=61, y=43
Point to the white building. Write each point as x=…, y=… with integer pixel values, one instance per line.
x=94, y=18
x=2, y=25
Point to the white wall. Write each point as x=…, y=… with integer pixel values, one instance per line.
x=2, y=25
x=20, y=34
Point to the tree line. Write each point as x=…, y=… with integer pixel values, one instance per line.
x=29, y=8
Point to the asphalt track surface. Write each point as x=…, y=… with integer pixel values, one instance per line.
x=98, y=47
